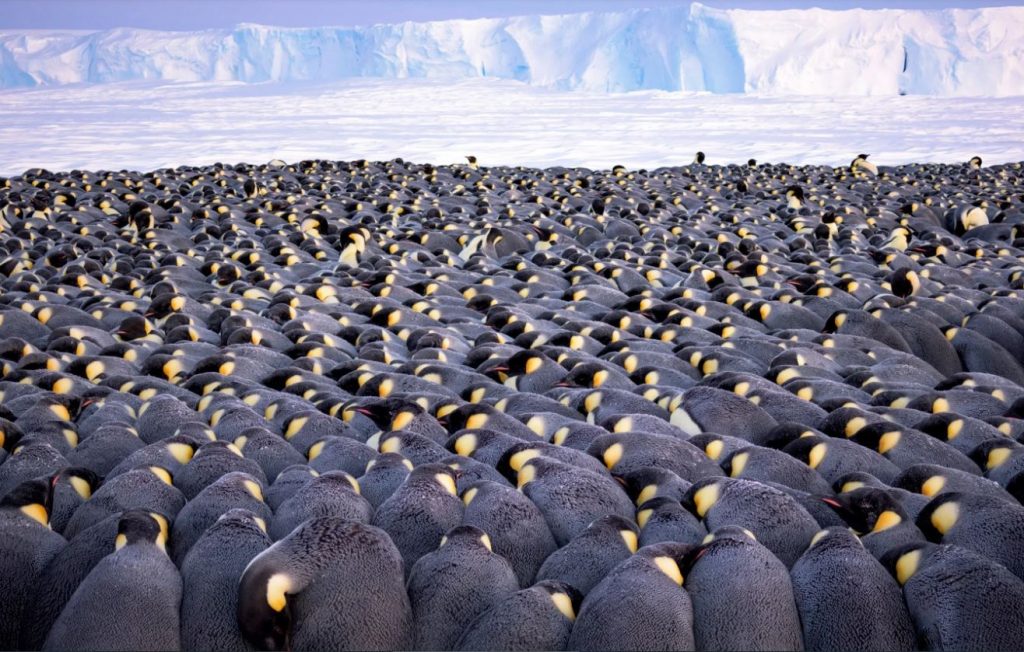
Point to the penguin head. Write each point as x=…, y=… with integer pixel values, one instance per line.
x=467, y=536
x=975, y=162
x=33, y=498
x=515, y=458
x=564, y=596
x=903, y=562
x=699, y=157
x=905, y=282
x=264, y=614
x=702, y=496
x=942, y=514
x=471, y=416
x=141, y=527
x=868, y=509
x=643, y=484
x=165, y=304
x=82, y=480
x=436, y=476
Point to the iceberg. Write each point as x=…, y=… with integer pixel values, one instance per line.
x=950, y=52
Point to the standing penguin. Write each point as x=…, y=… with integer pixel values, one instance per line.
x=27, y=544
x=537, y=618
x=418, y=514
x=331, y=584
x=778, y=521
x=980, y=523
x=957, y=599
x=130, y=600
x=742, y=595
x=454, y=584
x=847, y=600
x=587, y=559
x=210, y=575
x=515, y=525
x=641, y=605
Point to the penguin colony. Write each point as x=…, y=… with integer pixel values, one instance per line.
x=375, y=406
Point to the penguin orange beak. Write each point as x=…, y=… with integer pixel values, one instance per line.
x=364, y=411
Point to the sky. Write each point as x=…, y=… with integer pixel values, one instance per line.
x=206, y=14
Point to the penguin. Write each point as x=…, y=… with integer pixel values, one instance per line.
x=419, y=512
x=625, y=452
x=729, y=613
x=384, y=474
x=956, y=598
x=27, y=545
x=130, y=600
x=334, y=493
x=931, y=480
x=450, y=587
x=640, y=605
x=72, y=487
x=778, y=521
x=147, y=489
x=769, y=465
x=652, y=482
x=588, y=558
x=836, y=613
x=539, y=617
x=706, y=409
x=863, y=165
x=978, y=523
x=664, y=519
x=515, y=525
x=570, y=497
x=330, y=584
x=833, y=458
x=230, y=491
x=881, y=521
x=66, y=570
x=212, y=461
x=287, y=482
x=210, y=574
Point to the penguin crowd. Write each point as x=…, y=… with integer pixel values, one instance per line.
x=367, y=405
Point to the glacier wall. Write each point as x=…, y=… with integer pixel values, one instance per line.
x=977, y=52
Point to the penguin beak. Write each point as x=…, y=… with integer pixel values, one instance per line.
x=563, y=383
x=364, y=411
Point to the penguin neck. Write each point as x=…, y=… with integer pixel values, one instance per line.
x=350, y=255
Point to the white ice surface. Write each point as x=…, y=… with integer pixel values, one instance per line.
x=679, y=47
x=149, y=125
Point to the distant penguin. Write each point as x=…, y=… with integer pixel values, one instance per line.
x=130, y=600
x=451, y=586
x=330, y=584
x=839, y=614
x=862, y=164
x=536, y=618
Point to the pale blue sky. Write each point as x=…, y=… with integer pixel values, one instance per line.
x=201, y=14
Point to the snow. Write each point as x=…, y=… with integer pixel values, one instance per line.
x=149, y=125
x=959, y=52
